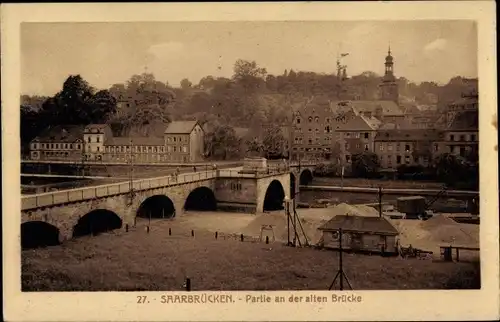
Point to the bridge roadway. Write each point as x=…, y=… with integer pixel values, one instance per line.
x=54, y=198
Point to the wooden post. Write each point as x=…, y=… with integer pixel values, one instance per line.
x=241, y=238
x=458, y=257
x=192, y=233
x=170, y=231
x=188, y=284
x=216, y=235
x=380, y=201
x=126, y=228
x=340, y=261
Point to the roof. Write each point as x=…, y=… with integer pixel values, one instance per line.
x=360, y=224
x=136, y=141
x=389, y=108
x=359, y=123
x=465, y=121
x=389, y=135
x=62, y=134
x=99, y=127
x=466, y=100
x=397, y=124
x=180, y=127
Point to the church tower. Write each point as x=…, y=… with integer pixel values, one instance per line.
x=389, y=87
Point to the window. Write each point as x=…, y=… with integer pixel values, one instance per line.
x=366, y=147
x=71, y=145
x=348, y=158
x=407, y=147
x=348, y=134
x=357, y=145
x=97, y=149
x=169, y=148
x=57, y=145
x=389, y=146
x=367, y=135
x=78, y=146
x=436, y=147
x=184, y=149
x=316, y=119
x=43, y=145
x=381, y=148
x=347, y=146
x=452, y=137
x=174, y=138
x=327, y=129
x=97, y=139
x=398, y=159
x=473, y=137
x=415, y=159
x=35, y=146
x=298, y=120
x=462, y=137
x=356, y=135
x=310, y=141
x=175, y=149
x=169, y=139
x=154, y=149
x=327, y=120
x=397, y=147
x=89, y=139
x=310, y=130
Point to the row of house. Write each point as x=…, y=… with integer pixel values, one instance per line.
x=397, y=133
x=182, y=141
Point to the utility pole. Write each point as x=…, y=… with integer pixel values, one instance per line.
x=380, y=201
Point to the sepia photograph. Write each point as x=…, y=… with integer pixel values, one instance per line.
x=237, y=155
x=208, y=146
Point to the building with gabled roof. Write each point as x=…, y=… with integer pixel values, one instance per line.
x=181, y=127
x=360, y=233
x=398, y=146
x=60, y=142
x=313, y=130
x=357, y=135
x=184, y=141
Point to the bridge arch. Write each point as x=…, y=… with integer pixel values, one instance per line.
x=201, y=199
x=96, y=222
x=306, y=177
x=36, y=234
x=157, y=206
x=275, y=196
x=293, y=183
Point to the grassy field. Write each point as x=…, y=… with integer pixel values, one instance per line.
x=156, y=261
x=359, y=182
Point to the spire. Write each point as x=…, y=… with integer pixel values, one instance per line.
x=389, y=51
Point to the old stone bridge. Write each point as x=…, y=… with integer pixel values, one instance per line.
x=50, y=218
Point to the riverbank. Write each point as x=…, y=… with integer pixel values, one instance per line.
x=375, y=183
x=158, y=261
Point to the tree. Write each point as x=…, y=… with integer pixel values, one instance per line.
x=450, y=168
x=365, y=164
x=273, y=142
x=186, y=84
x=221, y=143
x=249, y=76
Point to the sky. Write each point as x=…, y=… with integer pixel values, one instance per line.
x=109, y=53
